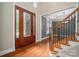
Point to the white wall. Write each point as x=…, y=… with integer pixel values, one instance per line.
x=38, y=23
x=6, y=41
x=7, y=26
x=0, y=25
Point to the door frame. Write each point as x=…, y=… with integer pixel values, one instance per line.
x=31, y=22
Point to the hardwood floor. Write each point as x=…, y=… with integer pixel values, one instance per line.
x=35, y=50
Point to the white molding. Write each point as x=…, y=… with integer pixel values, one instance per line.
x=41, y=39
x=38, y=40
x=6, y=51
x=45, y=38
x=14, y=25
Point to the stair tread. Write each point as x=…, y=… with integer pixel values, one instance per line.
x=61, y=55
x=65, y=46
x=58, y=50
x=72, y=52
x=72, y=43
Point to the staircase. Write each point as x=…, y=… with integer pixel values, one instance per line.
x=63, y=40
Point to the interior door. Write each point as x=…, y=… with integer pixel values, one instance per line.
x=24, y=27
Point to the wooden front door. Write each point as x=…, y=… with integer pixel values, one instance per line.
x=24, y=27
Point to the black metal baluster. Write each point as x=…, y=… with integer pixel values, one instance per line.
x=61, y=34
x=67, y=30
x=56, y=38
x=74, y=26
x=70, y=30
x=74, y=19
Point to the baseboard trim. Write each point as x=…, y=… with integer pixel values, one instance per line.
x=42, y=39
x=45, y=37
x=38, y=40
x=6, y=51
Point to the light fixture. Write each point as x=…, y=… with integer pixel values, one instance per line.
x=35, y=4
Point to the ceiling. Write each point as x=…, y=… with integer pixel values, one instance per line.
x=60, y=15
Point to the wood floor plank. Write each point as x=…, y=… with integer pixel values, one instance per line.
x=35, y=50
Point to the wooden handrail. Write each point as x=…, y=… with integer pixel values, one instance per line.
x=65, y=19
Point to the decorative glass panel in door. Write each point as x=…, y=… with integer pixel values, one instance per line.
x=27, y=24
x=17, y=23
x=34, y=25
